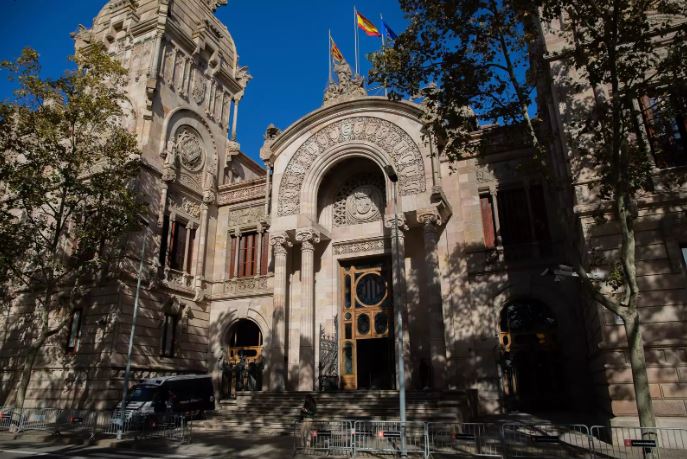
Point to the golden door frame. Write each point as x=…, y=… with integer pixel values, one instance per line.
x=366, y=309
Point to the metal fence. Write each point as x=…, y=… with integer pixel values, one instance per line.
x=635, y=442
x=325, y=437
x=389, y=437
x=489, y=440
x=464, y=440
x=547, y=441
x=92, y=423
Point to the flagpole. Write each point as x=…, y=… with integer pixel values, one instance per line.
x=386, y=92
x=329, y=57
x=355, y=37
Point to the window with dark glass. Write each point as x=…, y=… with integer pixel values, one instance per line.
x=174, y=251
x=74, y=331
x=683, y=249
x=169, y=328
x=523, y=218
x=665, y=118
x=250, y=255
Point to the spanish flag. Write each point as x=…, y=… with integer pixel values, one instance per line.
x=367, y=26
x=336, y=52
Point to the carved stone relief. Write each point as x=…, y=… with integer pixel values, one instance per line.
x=397, y=144
x=246, y=216
x=199, y=87
x=507, y=170
x=190, y=149
x=360, y=200
x=367, y=245
x=184, y=205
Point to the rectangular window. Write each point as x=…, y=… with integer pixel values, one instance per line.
x=191, y=244
x=514, y=216
x=163, y=241
x=665, y=117
x=74, y=331
x=248, y=255
x=169, y=335
x=487, y=207
x=178, y=250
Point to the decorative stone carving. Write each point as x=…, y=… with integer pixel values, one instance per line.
x=507, y=170
x=397, y=144
x=214, y=4
x=402, y=226
x=247, y=286
x=307, y=238
x=269, y=137
x=361, y=200
x=348, y=87
x=429, y=217
x=242, y=193
x=280, y=242
x=246, y=216
x=199, y=88
x=189, y=147
x=184, y=206
x=367, y=245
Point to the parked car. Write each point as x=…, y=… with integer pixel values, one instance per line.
x=185, y=394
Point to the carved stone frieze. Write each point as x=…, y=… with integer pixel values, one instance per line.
x=500, y=172
x=246, y=216
x=242, y=193
x=367, y=245
x=398, y=145
x=247, y=286
x=184, y=205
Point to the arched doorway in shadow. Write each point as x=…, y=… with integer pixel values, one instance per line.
x=244, y=355
x=530, y=359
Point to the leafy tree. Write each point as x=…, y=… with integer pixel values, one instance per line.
x=479, y=54
x=625, y=51
x=67, y=178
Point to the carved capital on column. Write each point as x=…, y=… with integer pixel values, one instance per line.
x=389, y=222
x=280, y=242
x=430, y=218
x=307, y=238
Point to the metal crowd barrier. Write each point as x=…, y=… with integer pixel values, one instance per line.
x=384, y=437
x=323, y=437
x=144, y=426
x=547, y=441
x=464, y=440
x=636, y=442
x=61, y=422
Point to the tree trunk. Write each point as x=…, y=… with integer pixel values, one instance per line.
x=23, y=386
x=640, y=378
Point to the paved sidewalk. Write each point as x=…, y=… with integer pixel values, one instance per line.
x=204, y=444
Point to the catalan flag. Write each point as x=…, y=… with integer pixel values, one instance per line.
x=367, y=26
x=336, y=52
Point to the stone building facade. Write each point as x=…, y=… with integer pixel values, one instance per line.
x=295, y=269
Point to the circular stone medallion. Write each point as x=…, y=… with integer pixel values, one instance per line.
x=190, y=149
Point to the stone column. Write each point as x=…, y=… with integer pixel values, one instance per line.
x=399, y=284
x=431, y=221
x=306, y=374
x=277, y=376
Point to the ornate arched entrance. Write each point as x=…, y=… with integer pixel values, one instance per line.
x=244, y=355
x=529, y=356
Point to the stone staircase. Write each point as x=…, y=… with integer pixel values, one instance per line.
x=269, y=413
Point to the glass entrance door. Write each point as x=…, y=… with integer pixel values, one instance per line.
x=367, y=312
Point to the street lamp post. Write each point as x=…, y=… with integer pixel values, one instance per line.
x=125, y=389
x=398, y=323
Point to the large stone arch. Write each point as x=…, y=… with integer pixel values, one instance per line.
x=385, y=138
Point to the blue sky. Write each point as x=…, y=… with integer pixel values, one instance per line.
x=284, y=44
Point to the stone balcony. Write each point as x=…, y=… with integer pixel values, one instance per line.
x=177, y=280
x=242, y=287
